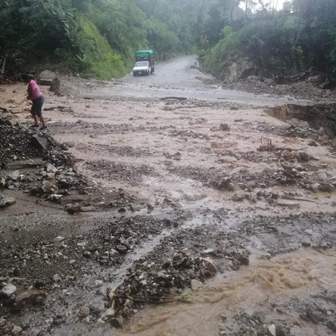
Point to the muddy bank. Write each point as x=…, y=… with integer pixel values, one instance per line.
x=321, y=117
x=310, y=88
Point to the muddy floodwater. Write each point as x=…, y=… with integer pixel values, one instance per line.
x=265, y=285
x=207, y=211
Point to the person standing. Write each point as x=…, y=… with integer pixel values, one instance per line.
x=35, y=95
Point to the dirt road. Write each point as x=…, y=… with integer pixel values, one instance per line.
x=178, y=78
x=199, y=181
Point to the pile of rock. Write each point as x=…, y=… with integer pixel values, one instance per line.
x=35, y=163
x=147, y=283
x=16, y=142
x=8, y=328
x=6, y=201
x=173, y=267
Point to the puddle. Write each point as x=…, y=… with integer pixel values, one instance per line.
x=198, y=312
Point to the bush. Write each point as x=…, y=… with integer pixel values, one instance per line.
x=96, y=56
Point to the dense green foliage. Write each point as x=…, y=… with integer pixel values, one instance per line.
x=93, y=37
x=299, y=38
x=99, y=37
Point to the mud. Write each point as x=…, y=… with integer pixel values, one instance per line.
x=309, y=88
x=184, y=182
x=289, y=298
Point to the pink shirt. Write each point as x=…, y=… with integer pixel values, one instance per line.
x=34, y=90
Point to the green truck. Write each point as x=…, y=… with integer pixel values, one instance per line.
x=144, y=62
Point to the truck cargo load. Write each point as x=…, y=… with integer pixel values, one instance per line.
x=142, y=56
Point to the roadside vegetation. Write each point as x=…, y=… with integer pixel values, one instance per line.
x=297, y=41
x=235, y=38
x=94, y=38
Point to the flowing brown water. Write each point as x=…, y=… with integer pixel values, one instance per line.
x=198, y=312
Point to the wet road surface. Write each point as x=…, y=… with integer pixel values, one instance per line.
x=181, y=78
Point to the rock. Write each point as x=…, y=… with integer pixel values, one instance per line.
x=48, y=187
x=239, y=197
x=313, y=143
x=306, y=243
x=55, y=198
x=331, y=325
x=6, y=201
x=224, y=127
x=8, y=291
x=2, y=322
x=84, y=312
x=208, y=252
x=99, y=283
x=30, y=297
x=59, y=239
x=55, y=86
x=16, y=330
x=14, y=175
x=108, y=314
x=73, y=208
x=2, y=182
x=208, y=268
x=272, y=330
x=88, y=208
x=41, y=142
x=181, y=260
x=223, y=184
x=22, y=164
x=87, y=254
x=303, y=157
x=50, y=168
x=97, y=309
x=57, y=278
x=315, y=187
x=288, y=204
x=326, y=187
x=46, y=77
x=239, y=69
x=117, y=322
x=121, y=248
x=195, y=284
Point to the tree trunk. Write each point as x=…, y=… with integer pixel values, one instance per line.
x=3, y=66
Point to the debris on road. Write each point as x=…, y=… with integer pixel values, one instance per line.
x=120, y=206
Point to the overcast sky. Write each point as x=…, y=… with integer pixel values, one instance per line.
x=278, y=3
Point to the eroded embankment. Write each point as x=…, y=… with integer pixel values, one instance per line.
x=320, y=117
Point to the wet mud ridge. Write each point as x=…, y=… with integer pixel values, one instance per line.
x=169, y=214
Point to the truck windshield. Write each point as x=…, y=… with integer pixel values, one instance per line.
x=141, y=64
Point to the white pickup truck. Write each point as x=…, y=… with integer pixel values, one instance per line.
x=142, y=68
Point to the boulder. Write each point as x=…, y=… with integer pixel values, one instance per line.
x=55, y=86
x=8, y=290
x=224, y=127
x=30, y=297
x=6, y=201
x=241, y=68
x=208, y=268
x=46, y=77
